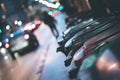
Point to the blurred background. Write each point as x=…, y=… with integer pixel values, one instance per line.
x=59, y=40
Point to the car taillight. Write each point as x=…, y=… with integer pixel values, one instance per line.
x=7, y=45
x=37, y=22
x=26, y=36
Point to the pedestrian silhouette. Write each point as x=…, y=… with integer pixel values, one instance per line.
x=50, y=21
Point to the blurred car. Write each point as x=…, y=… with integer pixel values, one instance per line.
x=70, y=32
x=89, y=48
x=77, y=18
x=104, y=64
x=33, y=25
x=87, y=33
x=20, y=43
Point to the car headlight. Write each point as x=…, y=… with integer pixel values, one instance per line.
x=3, y=51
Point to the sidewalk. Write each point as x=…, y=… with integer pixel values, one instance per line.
x=54, y=68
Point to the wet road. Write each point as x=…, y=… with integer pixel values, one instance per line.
x=43, y=63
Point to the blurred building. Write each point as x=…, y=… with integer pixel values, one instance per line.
x=81, y=5
x=11, y=10
x=10, y=7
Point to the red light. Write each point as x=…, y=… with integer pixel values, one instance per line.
x=7, y=45
x=15, y=22
x=26, y=36
x=37, y=22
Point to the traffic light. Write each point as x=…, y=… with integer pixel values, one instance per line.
x=19, y=23
x=60, y=8
x=8, y=27
x=1, y=31
x=50, y=12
